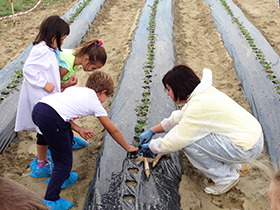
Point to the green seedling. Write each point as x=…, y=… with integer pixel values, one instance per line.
x=144, y=106
x=148, y=76
x=268, y=71
x=138, y=129
x=5, y=91
x=10, y=86
x=146, y=87
x=147, y=81
x=268, y=65
x=145, y=100
x=146, y=94
x=262, y=61
x=142, y=121
x=276, y=82
x=14, y=82
x=142, y=113
x=19, y=73
x=270, y=76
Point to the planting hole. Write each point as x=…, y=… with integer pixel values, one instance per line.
x=136, y=138
x=133, y=170
x=131, y=183
x=128, y=197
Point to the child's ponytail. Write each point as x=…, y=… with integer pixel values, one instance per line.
x=94, y=49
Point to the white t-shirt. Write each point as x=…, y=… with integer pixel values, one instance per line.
x=74, y=102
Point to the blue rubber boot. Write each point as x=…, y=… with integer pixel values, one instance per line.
x=46, y=171
x=79, y=143
x=68, y=182
x=60, y=204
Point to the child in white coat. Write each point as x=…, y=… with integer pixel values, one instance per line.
x=41, y=78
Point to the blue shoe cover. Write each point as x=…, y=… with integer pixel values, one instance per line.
x=60, y=204
x=34, y=162
x=79, y=143
x=46, y=171
x=49, y=153
x=68, y=182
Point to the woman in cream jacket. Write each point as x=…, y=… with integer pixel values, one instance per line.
x=215, y=133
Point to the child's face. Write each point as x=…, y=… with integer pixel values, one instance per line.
x=87, y=66
x=54, y=42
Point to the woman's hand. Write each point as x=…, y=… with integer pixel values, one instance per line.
x=146, y=137
x=145, y=149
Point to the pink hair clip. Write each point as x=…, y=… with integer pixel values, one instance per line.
x=100, y=43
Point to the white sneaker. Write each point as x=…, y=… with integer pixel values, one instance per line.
x=221, y=188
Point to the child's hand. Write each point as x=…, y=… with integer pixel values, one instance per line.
x=49, y=87
x=72, y=81
x=132, y=149
x=86, y=134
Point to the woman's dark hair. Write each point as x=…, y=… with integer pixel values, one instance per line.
x=182, y=80
x=52, y=27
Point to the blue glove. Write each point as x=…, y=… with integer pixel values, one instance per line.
x=146, y=137
x=145, y=148
x=146, y=151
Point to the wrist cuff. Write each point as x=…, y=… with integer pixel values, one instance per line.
x=152, y=131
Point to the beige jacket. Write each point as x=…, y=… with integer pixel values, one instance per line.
x=208, y=110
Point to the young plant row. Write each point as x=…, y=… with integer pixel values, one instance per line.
x=142, y=107
x=14, y=82
x=81, y=6
x=259, y=54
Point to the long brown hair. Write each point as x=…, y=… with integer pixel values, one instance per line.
x=94, y=49
x=52, y=27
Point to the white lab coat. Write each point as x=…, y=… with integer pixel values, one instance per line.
x=40, y=67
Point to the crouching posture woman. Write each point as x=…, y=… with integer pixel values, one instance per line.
x=215, y=133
